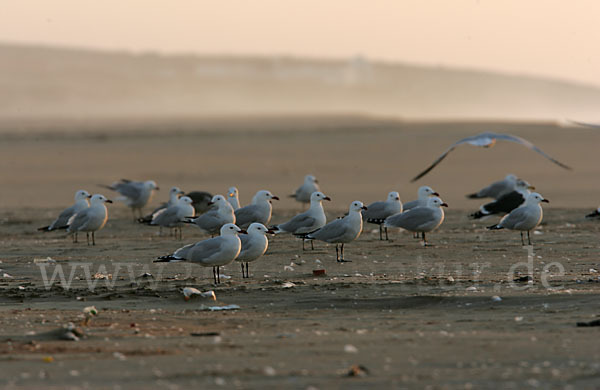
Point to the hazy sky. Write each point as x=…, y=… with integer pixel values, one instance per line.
x=558, y=38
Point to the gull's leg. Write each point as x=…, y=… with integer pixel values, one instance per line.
x=337, y=255
x=87, y=236
x=312, y=245
x=386, y=234
x=93, y=239
x=242, y=264
x=380, y=232
x=247, y=272
x=214, y=275
x=303, y=244
x=528, y=238
x=522, y=241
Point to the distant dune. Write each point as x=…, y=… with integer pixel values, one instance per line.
x=51, y=83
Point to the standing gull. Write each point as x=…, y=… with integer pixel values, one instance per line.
x=81, y=203
x=342, y=231
x=506, y=203
x=213, y=252
x=135, y=194
x=174, y=194
x=258, y=211
x=174, y=216
x=524, y=218
x=254, y=245
x=91, y=219
x=496, y=189
x=378, y=211
x=304, y=192
x=307, y=222
x=423, y=194
x=233, y=197
x=211, y=221
x=594, y=214
x=422, y=219
x=487, y=140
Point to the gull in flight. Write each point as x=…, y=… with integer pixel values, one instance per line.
x=487, y=140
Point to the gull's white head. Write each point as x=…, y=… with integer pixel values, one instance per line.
x=231, y=229
x=309, y=179
x=175, y=191
x=318, y=196
x=151, y=185
x=393, y=196
x=82, y=194
x=435, y=201
x=357, y=206
x=259, y=228
x=511, y=178
x=232, y=192
x=185, y=200
x=535, y=198
x=98, y=199
x=425, y=192
x=264, y=195
x=523, y=185
x=218, y=200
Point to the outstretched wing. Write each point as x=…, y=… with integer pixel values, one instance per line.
x=443, y=156
x=524, y=142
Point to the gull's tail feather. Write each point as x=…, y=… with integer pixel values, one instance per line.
x=495, y=227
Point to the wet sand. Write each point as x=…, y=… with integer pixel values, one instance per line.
x=411, y=316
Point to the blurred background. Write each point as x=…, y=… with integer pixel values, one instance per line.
x=82, y=59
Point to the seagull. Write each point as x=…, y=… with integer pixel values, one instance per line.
x=496, y=189
x=423, y=193
x=254, y=245
x=174, y=216
x=378, y=211
x=422, y=219
x=586, y=124
x=211, y=221
x=525, y=217
x=213, y=252
x=135, y=194
x=342, y=231
x=304, y=192
x=81, y=203
x=174, y=194
x=307, y=222
x=91, y=219
x=594, y=214
x=233, y=197
x=487, y=140
x=258, y=211
x=506, y=203
x=200, y=200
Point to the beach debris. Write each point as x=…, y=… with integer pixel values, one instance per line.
x=88, y=313
x=288, y=268
x=269, y=371
x=287, y=285
x=219, y=308
x=349, y=348
x=472, y=288
x=524, y=278
x=205, y=334
x=48, y=359
x=590, y=323
x=119, y=356
x=69, y=332
x=100, y=276
x=357, y=370
x=496, y=298
x=318, y=272
x=191, y=292
x=518, y=319
x=449, y=279
x=145, y=275
x=7, y=276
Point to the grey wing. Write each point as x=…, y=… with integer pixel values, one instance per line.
x=443, y=156
x=246, y=215
x=332, y=231
x=410, y=205
x=517, y=216
x=79, y=221
x=209, y=221
x=524, y=142
x=183, y=252
x=166, y=217
x=376, y=210
x=63, y=218
x=132, y=190
x=205, y=249
x=412, y=219
x=299, y=221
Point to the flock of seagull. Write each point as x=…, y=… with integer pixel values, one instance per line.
x=240, y=233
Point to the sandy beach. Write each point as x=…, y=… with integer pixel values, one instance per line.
x=398, y=316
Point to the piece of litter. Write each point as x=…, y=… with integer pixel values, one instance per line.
x=225, y=277
x=357, y=370
x=101, y=276
x=7, y=276
x=269, y=371
x=472, y=288
x=219, y=308
x=288, y=285
x=349, y=348
x=288, y=268
x=89, y=312
x=190, y=292
x=496, y=298
x=204, y=334
x=146, y=275
x=119, y=355
x=518, y=319
x=46, y=260
x=318, y=272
